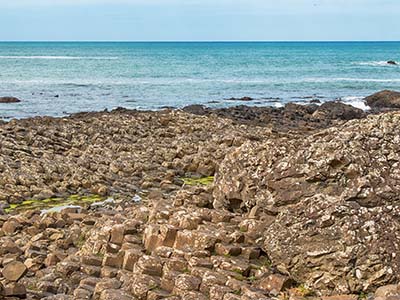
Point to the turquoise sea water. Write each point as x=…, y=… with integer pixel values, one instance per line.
x=62, y=78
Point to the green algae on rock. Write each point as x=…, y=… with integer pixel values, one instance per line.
x=53, y=202
x=198, y=181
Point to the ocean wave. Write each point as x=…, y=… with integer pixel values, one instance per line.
x=303, y=80
x=59, y=57
x=357, y=102
x=278, y=105
x=102, y=82
x=374, y=64
x=345, y=79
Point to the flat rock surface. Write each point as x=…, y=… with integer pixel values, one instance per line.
x=14, y=271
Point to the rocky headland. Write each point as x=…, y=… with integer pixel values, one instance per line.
x=300, y=202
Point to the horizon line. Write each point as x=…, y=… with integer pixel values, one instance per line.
x=197, y=41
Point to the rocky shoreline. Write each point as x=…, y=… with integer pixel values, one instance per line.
x=300, y=202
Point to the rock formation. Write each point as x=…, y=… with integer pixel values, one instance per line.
x=332, y=201
x=304, y=205
x=384, y=99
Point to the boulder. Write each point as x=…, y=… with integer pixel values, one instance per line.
x=15, y=290
x=185, y=282
x=384, y=99
x=274, y=284
x=106, y=284
x=11, y=226
x=332, y=200
x=14, y=271
x=9, y=100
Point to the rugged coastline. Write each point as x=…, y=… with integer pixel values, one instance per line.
x=238, y=203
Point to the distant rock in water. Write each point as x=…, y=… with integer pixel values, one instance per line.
x=392, y=62
x=241, y=99
x=384, y=99
x=167, y=107
x=9, y=100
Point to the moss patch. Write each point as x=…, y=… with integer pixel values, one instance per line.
x=198, y=181
x=303, y=291
x=53, y=202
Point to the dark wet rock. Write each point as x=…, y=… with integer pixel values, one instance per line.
x=332, y=202
x=384, y=99
x=338, y=110
x=196, y=109
x=9, y=100
x=291, y=117
x=293, y=109
x=315, y=101
x=241, y=99
x=392, y=62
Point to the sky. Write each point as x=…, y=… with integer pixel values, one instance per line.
x=199, y=20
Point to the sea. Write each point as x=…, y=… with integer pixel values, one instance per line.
x=60, y=78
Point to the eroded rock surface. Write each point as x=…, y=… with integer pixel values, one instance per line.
x=335, y=195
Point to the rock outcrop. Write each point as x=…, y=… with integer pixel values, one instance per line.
x=332, y=200
x=384, y=99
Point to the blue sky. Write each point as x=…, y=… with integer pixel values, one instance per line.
x=184, y=20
